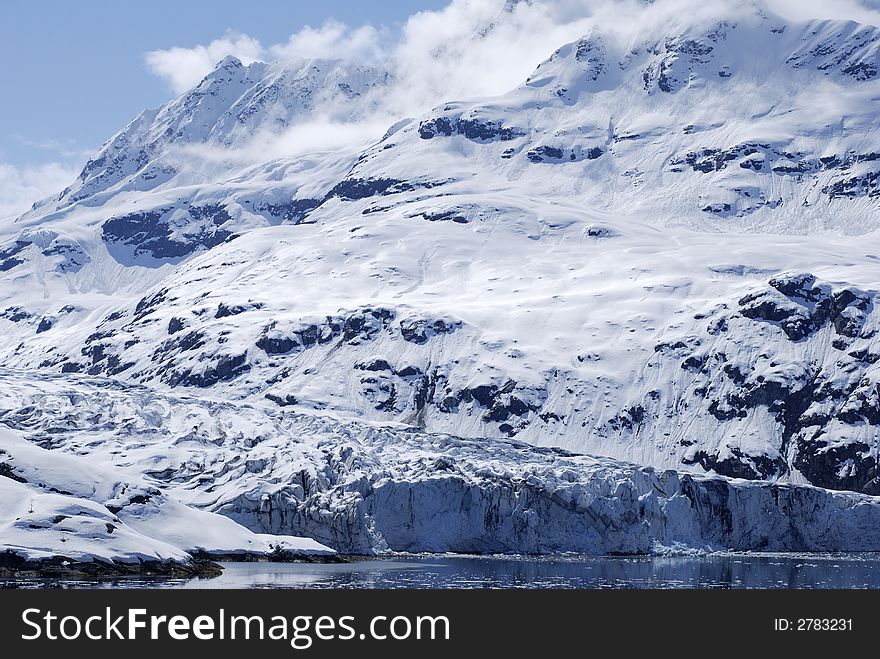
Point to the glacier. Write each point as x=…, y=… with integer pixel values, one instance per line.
x=364, y=488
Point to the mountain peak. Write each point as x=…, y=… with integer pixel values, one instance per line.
x=229, y=62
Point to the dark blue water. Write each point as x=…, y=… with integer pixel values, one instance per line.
x=712, y=571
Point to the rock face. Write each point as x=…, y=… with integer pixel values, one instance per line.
x=816, y=382
x=778, y=381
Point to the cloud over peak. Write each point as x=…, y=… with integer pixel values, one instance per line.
x=182, y=68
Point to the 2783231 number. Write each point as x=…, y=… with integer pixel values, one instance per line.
x=824, y=624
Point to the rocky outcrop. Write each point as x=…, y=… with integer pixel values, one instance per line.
x=353, y=189
x=473, y=128
x=163, y=234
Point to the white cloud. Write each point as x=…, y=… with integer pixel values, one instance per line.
x=20, y=186
x=334, y=40
x=475, y=47
x=486, y=47
x=182, y=68
x=314, y=136
x=863, y=11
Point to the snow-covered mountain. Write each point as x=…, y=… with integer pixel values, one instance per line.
x=660, y=251
x=189, y=175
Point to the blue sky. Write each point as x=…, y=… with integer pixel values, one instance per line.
x=74, y=72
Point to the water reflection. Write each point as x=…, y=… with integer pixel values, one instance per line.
x=713, y=571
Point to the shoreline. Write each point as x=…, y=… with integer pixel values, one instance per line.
x=204, y=565
x=210, y=566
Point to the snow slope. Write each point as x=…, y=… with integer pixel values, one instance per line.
x=59, y=505
x=659, y=251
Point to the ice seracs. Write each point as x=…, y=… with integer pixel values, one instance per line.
x=366, y=488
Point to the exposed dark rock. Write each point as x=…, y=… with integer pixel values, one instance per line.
x=15, y=314
x=294, y=211
x=724, y=411
x=694, y=363
x=750, y=155
x=285, y=401
x=146, y=305
x=148, y=233
x=419, y=331
x=8, y=256
x=6, y=471
x=381, y=391
x=501, y=403
x=553, y=154
x=365, y=323
x=214, y=213
x=74, y=257
x=176, y=325
x=794, y=319
x=473, y=129
x=801, y=307
x=276, y=346
x=675, y=60
x=845, y=467
x=842, y=56
x=13, y=565
x=184, y=343
x=306, y=336
x=446, y=216
x=865, y=355
x=375, y=365
x=222, y=369
x=600, y=232
x=361, y=325
x=717, y=209
x=224, y=311
x=861, y=185
x=738, y=464
x=629, y=419
x=359, y=188
x=545, y=153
